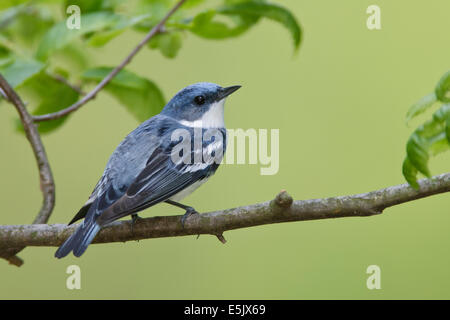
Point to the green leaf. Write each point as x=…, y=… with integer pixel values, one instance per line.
x=432, y=137
x=243, y=15
x=139, y=95
x=204, y=26
x=85, y=5
x=59, y=35
x=447, y=129
x=428, y=139
x=410, y=173
x=93, y=5
x=438, y=144
x=10, y=14
x=6, y=57
x=73, y=56
x=443, y=88
x=159, y=8
x=416, y=149
x=25, y=24
x=421, y=106
x=192, y=3
x=270, y=11
x=20, y=70
x=443, y=115
x=49, y=95
x=103, y=37
x=168, y=43
x=10, y=3
x=5, y=61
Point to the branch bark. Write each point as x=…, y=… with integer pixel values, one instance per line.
x=92, y=94
x=282, y=209
x=45, y=173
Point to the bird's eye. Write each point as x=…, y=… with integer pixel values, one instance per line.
x=199, y=100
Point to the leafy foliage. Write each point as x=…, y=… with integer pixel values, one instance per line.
x=140, y=96
x=255, y=10
x=59, y=35
x=57, y=97
x=168, y=43
x=433, y=136
x=34, y=37
x=18, y=70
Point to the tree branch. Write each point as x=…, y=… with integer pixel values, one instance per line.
x=281, y=209
x=64, y=81
x=92, y=94
x=45, y=173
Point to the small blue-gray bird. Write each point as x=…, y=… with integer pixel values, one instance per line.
x=142, y=172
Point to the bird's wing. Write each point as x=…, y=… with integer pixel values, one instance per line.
x=157, y=182
x=123, y=166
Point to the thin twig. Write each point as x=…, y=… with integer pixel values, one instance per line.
x=63, y=80
x=91, y=95
x=281, y=209
x=45, y=173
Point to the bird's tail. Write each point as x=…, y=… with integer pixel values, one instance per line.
x=79, y=240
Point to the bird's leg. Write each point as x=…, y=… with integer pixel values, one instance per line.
x=134, y=219
x=189, y=210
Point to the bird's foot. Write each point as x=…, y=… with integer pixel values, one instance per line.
x=189, y=211
x=134, y=218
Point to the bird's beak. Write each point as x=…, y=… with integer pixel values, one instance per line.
x=225, y=92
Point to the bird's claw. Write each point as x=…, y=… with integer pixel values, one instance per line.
x=189, y=211
x=134, y=219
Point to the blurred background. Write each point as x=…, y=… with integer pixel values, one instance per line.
x=340, y=105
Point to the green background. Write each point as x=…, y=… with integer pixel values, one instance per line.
x=339, y=104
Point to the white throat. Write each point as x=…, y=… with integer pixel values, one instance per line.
x=213, y=118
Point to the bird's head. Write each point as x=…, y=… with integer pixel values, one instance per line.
x=199, y=105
